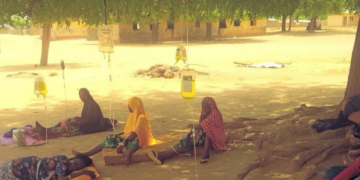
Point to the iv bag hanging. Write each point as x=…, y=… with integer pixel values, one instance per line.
x=188, y=84
x=180, y=54
x=40, y=87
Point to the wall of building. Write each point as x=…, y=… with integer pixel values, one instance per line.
x=277, y=24
x=197, y=30
x=343, y=20
x=127, y=33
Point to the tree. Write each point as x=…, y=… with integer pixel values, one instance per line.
x=19, y=23
x=283, y=9
x=353, y=84
x=203, y=11
x=148, y=12
x=327, y=143
x=41, y=13
x=316, y=8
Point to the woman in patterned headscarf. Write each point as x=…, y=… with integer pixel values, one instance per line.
x=137, y=132
x=209, y=132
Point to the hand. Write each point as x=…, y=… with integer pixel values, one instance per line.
x=120, y=148
x=90, y=173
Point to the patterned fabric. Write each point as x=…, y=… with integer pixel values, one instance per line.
x=213, y=125
x=112, y=141
x=65, y=129
x=50, y=168
x=185, y=145
x=6, y=172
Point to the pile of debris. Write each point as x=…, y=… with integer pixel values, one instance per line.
x=160, y=70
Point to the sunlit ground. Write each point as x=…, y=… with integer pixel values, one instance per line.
x=317, y=76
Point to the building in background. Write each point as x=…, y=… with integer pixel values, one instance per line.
x=343, y=20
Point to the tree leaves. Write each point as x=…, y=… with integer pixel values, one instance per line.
x=92, y=12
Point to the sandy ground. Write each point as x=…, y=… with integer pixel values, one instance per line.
x=316, y=77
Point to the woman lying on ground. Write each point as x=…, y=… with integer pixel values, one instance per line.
x=91, y=120
x=137, y=133
x=209, y=132
x=349, y=115
x=50, y=168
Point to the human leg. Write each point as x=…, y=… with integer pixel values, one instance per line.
x=206, y=154
x=109, y=142
x=92, y=152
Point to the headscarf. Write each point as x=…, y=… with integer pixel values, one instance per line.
x=91, y=114
x=213, y=125
x=138, y=122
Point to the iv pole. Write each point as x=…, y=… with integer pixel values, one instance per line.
x=112, y=120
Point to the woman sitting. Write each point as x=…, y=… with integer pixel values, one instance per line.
x=91, y=120
x=50, y=168
x=137, y=133
x=209, y=132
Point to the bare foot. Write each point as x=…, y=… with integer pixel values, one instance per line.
x=127, y=161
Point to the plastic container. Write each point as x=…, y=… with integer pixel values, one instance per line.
x=19, y=137
x=178, y=54
x=188, y=84
x=40, y=87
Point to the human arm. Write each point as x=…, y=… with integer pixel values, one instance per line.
x=123, y=144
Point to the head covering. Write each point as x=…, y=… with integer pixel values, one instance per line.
x=139, y=122
x=86, y=91
x=92, y=119
x=213, y=125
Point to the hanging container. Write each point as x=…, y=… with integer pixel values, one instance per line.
x=188, y=84
x=40, y=87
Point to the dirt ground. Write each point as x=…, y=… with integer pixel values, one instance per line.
x=317, y=77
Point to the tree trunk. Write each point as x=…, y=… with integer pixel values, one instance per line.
x=155, y=33
x=290, y=22
x=353, y=84
x=46, y=33
x=208, y=30
x=283, y=24
x=312, y=24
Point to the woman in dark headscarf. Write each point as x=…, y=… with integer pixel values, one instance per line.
x=91, y=119
x=209, y=133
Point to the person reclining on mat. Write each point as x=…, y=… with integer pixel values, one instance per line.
x=91, y=120
x=209, y=132
x=50, y=168
x=137, y=133
x=349, y=115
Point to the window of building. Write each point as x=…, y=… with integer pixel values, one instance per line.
x=253, y=22
x=222, y=24
x=150, y=27
x=352, y=18
x=170, y=25
x=237, y=22
x=136, y=26
x=197, y=24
